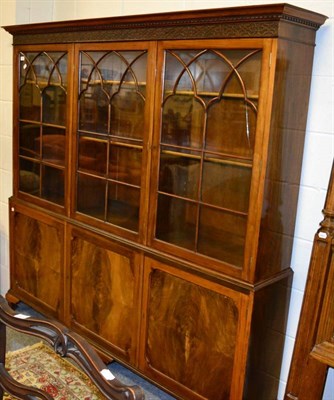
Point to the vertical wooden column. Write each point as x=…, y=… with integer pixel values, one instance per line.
x=314, y=347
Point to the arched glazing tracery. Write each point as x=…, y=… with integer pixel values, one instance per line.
x=42, y=129
x=209, y=114
x=112, y=98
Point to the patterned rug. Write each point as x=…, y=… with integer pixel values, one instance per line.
x=39, y=366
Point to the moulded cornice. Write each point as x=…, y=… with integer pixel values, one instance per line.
x=250, y=21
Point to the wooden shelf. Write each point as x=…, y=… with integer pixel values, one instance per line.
x=97, y=82
x=112, y=142
x=236, y=96
x=41, y=123
x=210, y=159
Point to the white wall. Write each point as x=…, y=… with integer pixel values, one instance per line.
x=7, y=17
x=319, y=147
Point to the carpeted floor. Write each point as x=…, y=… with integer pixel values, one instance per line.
x=38, y=366
x=17, y=340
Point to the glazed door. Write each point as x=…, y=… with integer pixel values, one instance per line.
x=113, y=131
x=208, y=136
x=42, y=116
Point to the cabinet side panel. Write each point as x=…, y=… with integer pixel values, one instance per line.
x=290, y=105
x=269, y=321
x=37, y=254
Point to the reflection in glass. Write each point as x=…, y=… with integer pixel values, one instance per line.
x=91, y=196
x=231, y=127
x=226, y=185
x=179, y=175
x=30, y=103
x=221, y=235
x=29, y=178
x=29, y=140
x=182, y=121
x=176, y=222
x=125, y=164
x=94, y=110
x=92, y=155
x=54, y=105
x=123, y=206
x=127, y=111
x=53, y=184
x=54, y=144
x=26, y=71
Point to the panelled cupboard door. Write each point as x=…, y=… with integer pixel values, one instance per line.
x=103, y=283
x=211, y=131
x=114, y=101
x=37, y=260
x=201, y=330
x=42, y=123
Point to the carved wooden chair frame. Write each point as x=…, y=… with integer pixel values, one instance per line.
x=65, y=343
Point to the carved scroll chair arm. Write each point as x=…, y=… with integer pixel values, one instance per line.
x=65, y=343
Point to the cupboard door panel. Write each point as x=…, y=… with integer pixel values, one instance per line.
x=198, y=329
x=104, y=290
x=37, y=259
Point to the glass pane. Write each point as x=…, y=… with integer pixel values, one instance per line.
x=91, y=198
x=248, y=65
x=206, y=72
x=125, y=164
x=231, y=128
x=176, y=222
x=30, y=103
x=26, y=71
x=42, y=66
x=112, y=92
x=126, y=69
x=54, y=145
x=179, y=175
x=94, y=110
x=58, y=75
x=176, y=76
x=92, y=155
x=54, y=105
x=53, y=184
x=183, y=121
x=226, y=185
x=29, y=178
x=29, y=140
x=123, y=206
x=127, y=114
x=111, y=67
x=222, y=235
